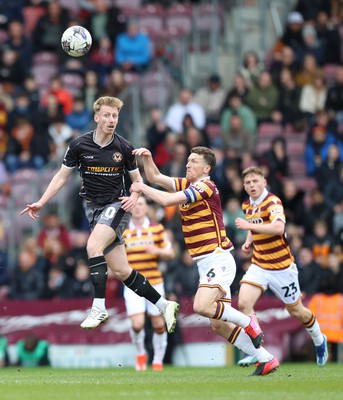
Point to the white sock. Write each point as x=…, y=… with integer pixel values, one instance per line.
x=161, y=303
x=159, y=344
x=138, y=340
x=315, y=333
x=230, y=314
x=243, y=342
x=100, y=303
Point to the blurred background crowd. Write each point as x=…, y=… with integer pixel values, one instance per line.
x=281, y=108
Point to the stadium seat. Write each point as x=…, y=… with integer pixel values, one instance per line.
x=43, y=73
x=73, y=82
x=295, y=148
x=269, y=130
x=306, y=183
x=45, y=57
x=179, y=18
x=207, y=17
x=156, y=89
x=24, y=175
x=72, y=6
x=23, y=193
x=127, y=6
x=31, y=16
x=262, y=146
x=151, y=20
x=329, y=71
x=297, y=167
x=3, y=36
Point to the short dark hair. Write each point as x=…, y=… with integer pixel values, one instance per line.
x=208, y=154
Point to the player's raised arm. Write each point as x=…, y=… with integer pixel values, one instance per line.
x=55, y=185
x=152, y=173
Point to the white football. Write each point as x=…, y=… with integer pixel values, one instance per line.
x=76, y=41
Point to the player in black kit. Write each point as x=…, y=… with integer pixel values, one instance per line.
x=102, y=157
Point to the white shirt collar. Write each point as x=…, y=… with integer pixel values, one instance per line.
x=260, y=199
x=145, y=225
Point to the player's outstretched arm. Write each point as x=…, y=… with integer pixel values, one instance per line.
x=55, y=185
x=152, y=173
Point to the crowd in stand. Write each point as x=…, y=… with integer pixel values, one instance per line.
x=290, y=87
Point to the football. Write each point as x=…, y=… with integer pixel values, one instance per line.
x=76, y=41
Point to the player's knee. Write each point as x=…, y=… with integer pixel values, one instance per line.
x=201, y=308
x=93, y=248
x=137, y=326
x=244, y=306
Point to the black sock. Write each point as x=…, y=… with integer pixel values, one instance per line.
x=141, y=286
x=98, y=272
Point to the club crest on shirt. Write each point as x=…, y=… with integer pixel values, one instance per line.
x=117, y=157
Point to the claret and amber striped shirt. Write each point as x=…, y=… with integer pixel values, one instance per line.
x=270, y=252
x=136, y=241
x=202, y=218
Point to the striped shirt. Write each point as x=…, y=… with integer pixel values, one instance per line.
x=136, y=241
x=202, y=218
x=271, y=252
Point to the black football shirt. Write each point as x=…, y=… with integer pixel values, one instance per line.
x=102, y=169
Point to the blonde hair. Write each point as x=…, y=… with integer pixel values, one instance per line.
x=252, y=170
x=107, y=101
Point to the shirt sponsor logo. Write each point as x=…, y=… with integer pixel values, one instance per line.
x=117, y=157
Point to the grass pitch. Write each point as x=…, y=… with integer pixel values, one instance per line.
x=291, y=382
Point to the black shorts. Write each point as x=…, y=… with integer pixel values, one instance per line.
x=111, y=215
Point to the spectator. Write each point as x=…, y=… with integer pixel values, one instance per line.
x=60, y=133
x=133, y=49
x=308, y=70
x=177, y=166
x=157, y=130
x=211, y=97
x=32, y=352
x=235, y=105
x=231, y=211
x=53, y=230
x=329, y=169
x=263, y=98
x=63, y=96
x=105, y=20
x=334, y=99
x=58, y=284
x=313, y=96
x=28, y=280
x=239, y=88
x=289, y=100
x=292, y=36
x=329, y=39
x=285, y=61
x=333, y=190
x=309, y=272
x=49, y=29
x=237, y=141
x=177, y=111
x=277, y=159
x=331, y=275
x=116, y=83
x=19, y=42
x=293, y=201
x=91, y=89
x=320, y=242
x=12, y=72
x=184, y=276
x=81, y=284
x=102, y=58
x=24, y=149
x=317, y=147
x=80, y=118
x=251, y=69
x=4, y=359
x=311, y=45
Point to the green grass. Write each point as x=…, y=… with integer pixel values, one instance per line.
x=291, y=382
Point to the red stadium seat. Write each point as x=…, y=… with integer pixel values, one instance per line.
x=31, y=16
x=269, y=130
x=156, y=89
x=151, y=19
x=179, y=17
